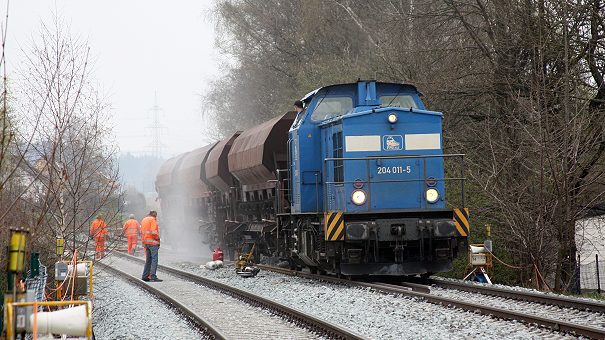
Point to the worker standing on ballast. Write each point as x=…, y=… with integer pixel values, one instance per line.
x=150, y=236
x=131, y=231
x=98, y=230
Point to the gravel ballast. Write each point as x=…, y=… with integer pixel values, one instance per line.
x=123, y=311
x=233, y=318
x=587, y=318
x=376, y=315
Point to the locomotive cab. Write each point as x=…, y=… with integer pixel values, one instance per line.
x=368, y=183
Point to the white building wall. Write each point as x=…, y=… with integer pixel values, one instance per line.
x=590, y=241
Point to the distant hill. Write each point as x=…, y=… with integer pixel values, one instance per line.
x=139, y=171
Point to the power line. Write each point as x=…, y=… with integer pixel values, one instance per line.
x=156, y=129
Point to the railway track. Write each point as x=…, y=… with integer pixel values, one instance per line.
x=548, y=299
x=205, y=328
x=578, y=328
x=235, y=321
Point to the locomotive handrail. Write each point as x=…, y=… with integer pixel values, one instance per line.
x=280, y=190
x=393, y=157
x=404, y=180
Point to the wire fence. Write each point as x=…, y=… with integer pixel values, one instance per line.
x=37, y=283
x=592, y=275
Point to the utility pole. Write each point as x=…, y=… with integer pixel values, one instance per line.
x=156, y=130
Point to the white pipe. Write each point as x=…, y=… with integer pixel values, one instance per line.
x=214, y=264
x=81, y=269
x=69, y=321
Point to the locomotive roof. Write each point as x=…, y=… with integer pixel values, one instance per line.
x=314, y=92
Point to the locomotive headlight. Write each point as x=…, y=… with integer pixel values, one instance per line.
x=432, y=195
x=392, y=118
x=358, y=197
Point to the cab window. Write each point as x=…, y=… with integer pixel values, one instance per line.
x=330, y=107
x=404, y=101
x=300, y=118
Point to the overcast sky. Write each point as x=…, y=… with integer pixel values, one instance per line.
x=138, y=48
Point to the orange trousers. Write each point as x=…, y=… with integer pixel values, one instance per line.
x=99, y=247
x=132, y=243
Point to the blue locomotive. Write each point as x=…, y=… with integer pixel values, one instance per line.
x=356, y=186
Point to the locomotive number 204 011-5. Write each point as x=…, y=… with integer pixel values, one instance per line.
x=394, y=169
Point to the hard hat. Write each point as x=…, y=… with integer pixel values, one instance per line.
x=131, y=216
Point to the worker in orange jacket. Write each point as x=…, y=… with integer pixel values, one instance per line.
x=98, y=230
x=131, y=231
x=150, y=237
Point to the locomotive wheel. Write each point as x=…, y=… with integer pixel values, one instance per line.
x=344, y=276
x=425, y=277
x=294, y=266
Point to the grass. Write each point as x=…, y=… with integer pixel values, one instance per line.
x=590, y=295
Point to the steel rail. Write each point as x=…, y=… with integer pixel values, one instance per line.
x=557, y=325
x=549, y=299
x=407, y=285
x=319, y=326
x=203, y=326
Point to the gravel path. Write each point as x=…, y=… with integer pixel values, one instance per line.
x=123, y=311
x=232, y=317
x=376, y=315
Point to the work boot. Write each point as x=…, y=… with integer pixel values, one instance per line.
x=146, y=279
x=155, y=279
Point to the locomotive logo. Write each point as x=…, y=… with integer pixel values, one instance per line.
x=392, y=142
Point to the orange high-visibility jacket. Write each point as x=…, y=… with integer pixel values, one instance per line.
x=150, y=233
x=98, y=228
x=131, y=227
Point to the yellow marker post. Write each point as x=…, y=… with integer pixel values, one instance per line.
x=16, y=257
x=60, y=247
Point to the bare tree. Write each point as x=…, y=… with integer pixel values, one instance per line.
x=538, y=143
x=521, y=85
x=282, y=49
x=14, y=179
x=71, y=157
